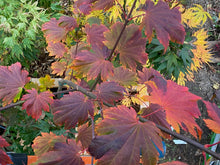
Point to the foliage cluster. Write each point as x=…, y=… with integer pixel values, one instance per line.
x=122, y=107
x=21, y=38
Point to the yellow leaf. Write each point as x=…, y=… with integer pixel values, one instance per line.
x=195, y=16
x=46, y=83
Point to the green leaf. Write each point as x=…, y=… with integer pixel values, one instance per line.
x=17, y=51
x=31, y=34
x=157, y=49
x=27, y=43
x=21, y=26
x=9, y=42
x=18, y=96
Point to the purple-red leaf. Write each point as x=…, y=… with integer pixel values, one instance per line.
x=46, y=142
x=69, y=23
x=12, y=78
x=3, y=142
x=121, y=138
x=179, y=104
x=4, y=158
x=165, y=21
x=63, y=154
x=110, y=92
x=92, y=64
x=124, y=76
x=52, y=31
x=95, y=34
x=214, y=113
x=57, y=49
x=85, y=135
x=131, y=45
x=34, y=102
x=72, y=108
x=103, y=4
x=174, y=163
x=157, y=115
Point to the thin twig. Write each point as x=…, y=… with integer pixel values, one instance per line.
x=11, y=105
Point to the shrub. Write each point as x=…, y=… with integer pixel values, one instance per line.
x=122, y=108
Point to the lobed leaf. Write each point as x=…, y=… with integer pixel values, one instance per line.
x=34, y=102
x=4, y=158
x=3, y=142
x=12, y=81
x=95, y=35
x=58, y=68
x=131, y=45
x=214, y=113
x=109, y=92
x=57, y=49
x=124, y=76
x=63, y=154
x=174, y=163
x=179, y=105
x=72, y=108
x=46, y=82
x=68, y=23
x=92, y=64
x=122, y=138
x=165, y=21
x=103, y=4
x=46, y=142
x=52, y=31
x=84, y=135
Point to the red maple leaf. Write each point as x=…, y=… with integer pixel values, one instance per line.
x=63, y=154
x=84, y=135
x=124, y=76
x=179, y=105
x=95, y=34
x=110, y=92
x=4, y=158
x=122, y=138
x=156, y=114
x=68, y=23
x=34, y=102
x=58, y=68
x=165, y=21
x=52, y=31
x=214, y=113
x=46, y=142
x=150, y=74
x=3, y=142
x=72, y=108
x=12, y=78
x=131, y=45
x=92, y=64
x=74, y=50
x=84, y=6
x=57, y=49
x=103, y=4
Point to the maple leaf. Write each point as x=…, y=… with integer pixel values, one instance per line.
x=103, y=4
x=72, y=108
x=63, y=154
x=150, y=74
x=155, y=114
x=174, y=163
x=214, y=113
x=4, y=158
x=52, y=31
x=93, y=64
x=34, y=102
x=74, y=50
x=195, y=16
x=68, y=23
x=179, y=105
x=84, y=135
x=109, y=92
x=3, y=142
x=95, y=34
x=131, y=45
x=165, y=21
x=46, y=82
x=121, y=138
x=123, y=76
x=46, y=142
x=58, y=68
x=57, y=49
x=84, y=6
x=12, y=81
